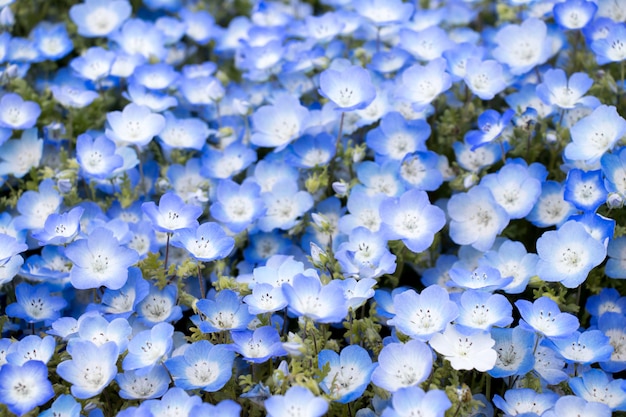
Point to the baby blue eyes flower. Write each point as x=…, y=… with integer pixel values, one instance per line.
x=524, y=46
x=490, y=126
x=97, y=157
x=95, y=18
x=403, y=365
x=280, y=123
x=349, y=374
x=585, y=348
x=19, y=156
x=258, y=346
x=202, y=366
x=421, y=84
x=148, y=348
x=514, y=347
x=135, y=125
x=572, y=405
x=350, y=89
x=568, y=254
x=595, y=386
x=525, y=400
x=100, y=260
x=151, y=385
x=172, y=213
x=565, y=93
x=64, y=406
x=297, y=399
x=207, y=242
x=35, y=303
x=544, y=317
x=365, y=255
x=396, y=137
x=306, y=296
x=226, y=312
x=465, y=351
x=24, y=387
x=18, y=114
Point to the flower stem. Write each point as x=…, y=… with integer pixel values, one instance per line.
x=167, y=251
x=200, y=281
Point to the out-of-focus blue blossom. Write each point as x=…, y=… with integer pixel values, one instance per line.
x=349, y=375
x=24, y=387
x=522, y=47
x=95, y=18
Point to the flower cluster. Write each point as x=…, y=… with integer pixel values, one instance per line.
x=303, y=208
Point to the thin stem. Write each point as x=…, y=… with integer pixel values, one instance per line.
x=167, y=251
x=378, y=39
x=339, y=134
x=201, y=281
x=503, y=151
x=142, y=183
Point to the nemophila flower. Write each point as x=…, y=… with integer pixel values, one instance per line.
x=512, y=260
x=97, y=329
x=379, y=178
x=364, y=212
x=156, y=101
x=549, y=365
x=614, y=170
x=365, y=255
x=349, y=373
x=97, y=157
x=476, y=218
x=228, y=162
x=349, y=89
x=285, y=204
x=100, y=260
x=205, y=90
x=403, y=365
x=595, y=134
x=525, y=400
x=568, y=254
x=174, y=399
x=599, y=227
x=479, y=158
x=426, y=44
x=52, y=40
x=306, y=296
x=412, y=401
x=123, y=301
x=207, y=242
x=187, y=133
x=573, y=405
x=481, y=310
x=19, y=156
x=551, y=209
x=140, y=387
x=237, y=206
x=514, y=347
x=323, y=28
x=138, y=36
x=35, y=206
x=421, y=170
x=16, y=113
x=94, y=64
x=358, y=292
x=265, y=298
x=259, y=345
x=412, y=219
x=574, y=14
x=202, y=365
x=22, y=388
x=172, y=213
x=159, y=305
x=514, y=188
x=609, y=300
x=490, y=126
x=279, y=270
x=60, y=229
x=297, y=399
x=149, y=348
x=91, y=368
x=383, y=13
x=585, y=348
x=557, y=90
x=613, y=325
x=522, y=47
x=64, y=406
x=134, y=125
x=420, y=85
x=157, y=76
x=311, y=151
x=422, y=315
x=95, y=18
x=585, y=190
x=465, y=351
x=31, y=348
x=225, y=408
x=610, y=48
x=595, y=386
x=395, y=137
x=544, y=317
x=226, y=312
x=484, y=78
x=389, y=61
x=71, y=91
x=34, y=303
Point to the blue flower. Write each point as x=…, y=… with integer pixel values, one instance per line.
x=572, y=405
x=420, y=316
x=19, y=156
x=585, y=348
x=16, y=113
x=311, y=151
x=306, y=296
x=265, y=298
x=151, y=385
x=100, y=260
x=35, y=304
x=544, y=317
x=514, y=188
x=123, y=301
x=97, y=157
x=585, y=190
x=278, y=124
x=226, y=312
x=482, y=278
x=422, y=170
x=484, y=78
x=384, y=12
x=297, y=399
x=525, y=400
x=349, y=89
x=31, y=348
x=568, y=254
x=608, y=48
x=65, y=405
x=557, y=90
x=522, y=47
x=412, y=401
x=158, y=306
x=189, y=133
x=595, y=386
x=135, y=125
x=426, y=44
x=285, y=204
x=403, y=365
x=480, y=310
x=202, y=366
x=225, y=408
x=613, y=325
x=395, y=137
x=514, y=347
x=52, y=40
x=172, y=213
x=222, y=164
x=551, y=209
x=420, y=85
x=24, y=387
x=95, y=18
x=60, y=229
x=512, y=260
x=207, y=242
x=237, y=206
x=258, y=346
x=149, y=348
x=91, y=368
x=94, y=64
x=464, y=350
x=490, y=126
x=349, y=374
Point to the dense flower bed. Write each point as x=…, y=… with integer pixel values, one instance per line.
x=335, y=207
